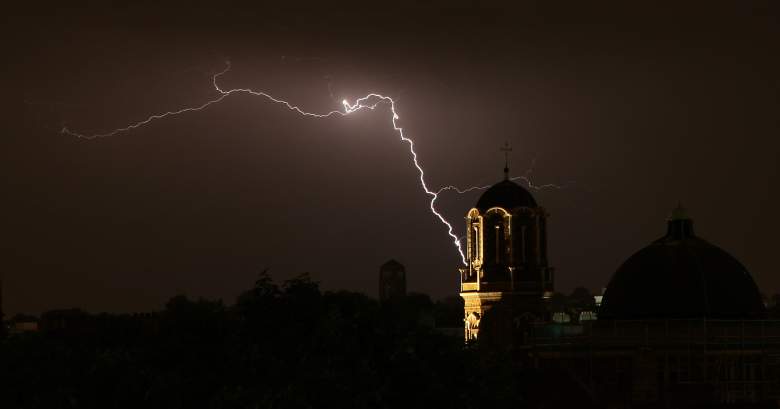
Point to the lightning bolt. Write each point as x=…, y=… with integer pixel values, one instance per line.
x=525, y=178
x=370, y=102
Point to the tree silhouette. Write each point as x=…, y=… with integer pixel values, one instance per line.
x=287, y=345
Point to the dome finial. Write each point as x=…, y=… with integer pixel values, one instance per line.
x=680, y=225
x=506, y=149
x=679, y=213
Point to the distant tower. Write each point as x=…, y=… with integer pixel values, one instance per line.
x=392, y=280
x=507, y=278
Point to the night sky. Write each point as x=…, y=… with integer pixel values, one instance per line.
x=631, y=108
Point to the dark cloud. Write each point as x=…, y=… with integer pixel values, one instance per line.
x=642, y=107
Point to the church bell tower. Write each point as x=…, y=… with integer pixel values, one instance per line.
x=507, y=279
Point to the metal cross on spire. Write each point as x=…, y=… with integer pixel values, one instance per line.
x=506, y=149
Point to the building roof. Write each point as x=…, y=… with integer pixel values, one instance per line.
x=507, y=195
x=681, y=276
x=392, y=265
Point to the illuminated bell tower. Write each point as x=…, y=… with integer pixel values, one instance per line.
x=507, y=280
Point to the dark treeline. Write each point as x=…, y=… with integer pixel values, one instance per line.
x=279, y=345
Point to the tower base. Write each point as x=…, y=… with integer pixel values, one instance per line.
x=499, y=317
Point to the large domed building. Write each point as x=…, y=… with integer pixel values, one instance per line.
x=681, y=276
x=681, y=322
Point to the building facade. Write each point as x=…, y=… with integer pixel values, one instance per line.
x=681, y=324
x=507, y=277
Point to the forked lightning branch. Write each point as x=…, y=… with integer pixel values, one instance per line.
x=370, y=101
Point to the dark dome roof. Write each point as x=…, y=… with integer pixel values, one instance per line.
x=392, y=264
x=505, y=194
x=681, y=276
